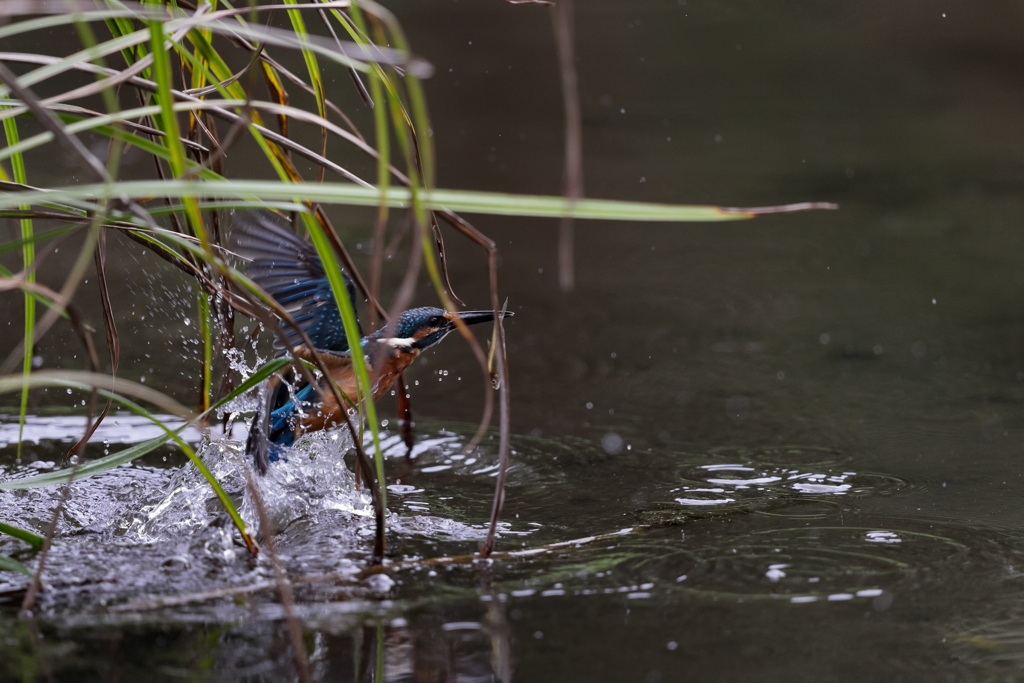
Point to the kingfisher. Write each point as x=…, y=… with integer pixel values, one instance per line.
x=289, y=269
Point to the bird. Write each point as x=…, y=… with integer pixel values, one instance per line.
x=289, y=269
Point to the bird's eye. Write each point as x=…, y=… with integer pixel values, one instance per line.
x=436, y=321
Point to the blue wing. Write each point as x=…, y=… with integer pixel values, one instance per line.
x=290, y=270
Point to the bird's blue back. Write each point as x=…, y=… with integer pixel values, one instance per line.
x=288, y=268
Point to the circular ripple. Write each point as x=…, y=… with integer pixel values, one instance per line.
x=809, y=508
x=719, y=483
x=808, y=564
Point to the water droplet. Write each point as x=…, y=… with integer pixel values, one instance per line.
x=611, y=443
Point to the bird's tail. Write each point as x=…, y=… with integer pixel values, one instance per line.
x=270, y=432
x=257, y=446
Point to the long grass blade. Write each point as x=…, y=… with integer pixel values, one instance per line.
x=348, y=319
x=466, y=201
x=28, y=254
x=9, y=565
x=203, y=312
x=21, y=534
x=311, y=64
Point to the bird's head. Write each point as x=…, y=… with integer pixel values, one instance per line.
x=426, y=326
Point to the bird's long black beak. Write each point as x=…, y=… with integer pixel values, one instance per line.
x=474, y=317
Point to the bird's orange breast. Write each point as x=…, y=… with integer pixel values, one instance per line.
x=385, y=366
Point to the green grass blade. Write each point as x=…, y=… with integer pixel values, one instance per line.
x=88, y=469
x=22, y=535
x=28, y=253
x=311, y=63
x=348, y=319
x=203, y=306
x=492, y=203
x=121, y=26
x=9, y=565
x=168, y=120
x=162, y=74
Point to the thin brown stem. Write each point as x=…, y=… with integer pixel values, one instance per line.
x=504, y=419
x=284, y=587
x=562, y=20
x=37, y=578
x=113, y=344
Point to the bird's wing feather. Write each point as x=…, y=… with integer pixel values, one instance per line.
x=290, y=270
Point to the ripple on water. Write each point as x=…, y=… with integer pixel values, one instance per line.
x=817, y=563
x=741, y=476
x=805, y=564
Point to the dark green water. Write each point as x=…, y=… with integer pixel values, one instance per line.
x=861, y=368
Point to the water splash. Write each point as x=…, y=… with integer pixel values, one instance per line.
x=310, y=478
